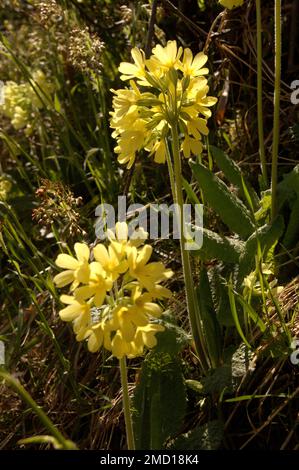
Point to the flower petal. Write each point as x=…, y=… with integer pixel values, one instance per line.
x=101, y=254
x=66, y=261
x=144, y=255
x=64, y=278
x=70, y=312
x=121, y=230
x=82, y=252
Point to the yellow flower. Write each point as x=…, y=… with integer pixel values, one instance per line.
x=197, y=96
x=116, y=303
x=197, y=127
x=14, y=96
x=230, y=4
x=131, y=141
x=143, y=305
x=160, y=292
x=21, y=101
x=74, y=309
x=177, y=94
x=158, y=149
x=78, y=312
x=120, y=242
x=136, y=70
x=166, y=57
x=110, y=261
x=193, y=67
x=127, y=318
x=5, y=187
x=98, y=335
x=126, y=321
x=98, y=285
x=125, y=102
x=41, y=95
x=77, y=269
x=20, y=118
x=191, y=146
x=147, y=274
x=146, y=335
x=119, y=346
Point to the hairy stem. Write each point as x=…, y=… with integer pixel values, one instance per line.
x=170, y=172
x=192, y=304
x=126, y=403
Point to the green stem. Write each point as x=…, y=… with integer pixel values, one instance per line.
x=126, y=403
x=260, y=94
x=192, y=304
x=276, y=107
x=170, y=171
x=15, y=384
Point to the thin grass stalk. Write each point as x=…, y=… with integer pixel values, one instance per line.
x=65, y=444
x=260, y=94
x=277, y=17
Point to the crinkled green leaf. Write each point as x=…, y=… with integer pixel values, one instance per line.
x=159, y=401
x=227, y=205
x=205, y=437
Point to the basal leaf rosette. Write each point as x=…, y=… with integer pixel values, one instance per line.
x=169, y=87
x=112, y=302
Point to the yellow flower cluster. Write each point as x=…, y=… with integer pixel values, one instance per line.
x=112, y=298
x=230, y=4
x=167, y=89
x=5, y=187
x=21, y=101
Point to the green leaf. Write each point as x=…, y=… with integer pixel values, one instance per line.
x=216, y=246
x=57, y=104
x=235, y=315
x=195, y=385
x=265, y=237
x=204, y=437
x=251, y=312
x=218, y=282
x=289, y=185
x=44, y=439
x=233, y=173
x=225, y=379
x=292, y=232
x=190, y=193
x=173, y=339
x=228, y=206
x=253, y=397
x=211, y=326
x=265, y=207
x=159, y=401
x=201, y=4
